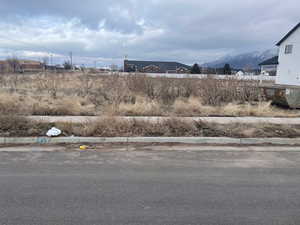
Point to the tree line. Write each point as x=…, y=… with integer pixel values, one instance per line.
x=196, y=69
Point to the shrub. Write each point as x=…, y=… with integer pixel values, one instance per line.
x=9, y=103
x=65, y=106
x=13, y=125
x=216, y=92
x=141, y=107
x=191, y=107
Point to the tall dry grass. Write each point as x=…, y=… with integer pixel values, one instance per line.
x=141, y=107
x=74, y=106
x=133, y=95
x=28, y=105
x=111, y=127
x=259, y=109
x=191, y=107
x=13, y=126
x=9, y=104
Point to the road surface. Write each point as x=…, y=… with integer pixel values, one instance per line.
x=147, y=186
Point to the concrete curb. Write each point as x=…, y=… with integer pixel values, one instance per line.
x=183, y=140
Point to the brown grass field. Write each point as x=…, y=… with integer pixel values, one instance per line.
x=132, y=95
x=135, y=95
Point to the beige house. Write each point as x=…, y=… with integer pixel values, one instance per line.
x=20, y=66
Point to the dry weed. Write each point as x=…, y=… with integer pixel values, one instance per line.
x=191, y=107
x=75, y=106
x=12, y=125
x=112, y=127
x=9, y=103
x=260, y=109
x=134, y=95
x=141, y=107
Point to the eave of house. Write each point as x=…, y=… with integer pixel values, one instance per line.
x=288, y=34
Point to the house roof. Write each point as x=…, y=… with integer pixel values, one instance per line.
x=29, y=62
x=288, y=34
x=162, y=65
x=271, y=61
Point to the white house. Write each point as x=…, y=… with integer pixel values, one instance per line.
x=240, y=73
x=269, y=66
x=288, y=72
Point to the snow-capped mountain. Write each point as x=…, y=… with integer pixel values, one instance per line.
x=245, y=60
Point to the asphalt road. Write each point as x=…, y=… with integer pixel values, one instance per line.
x=118, y=187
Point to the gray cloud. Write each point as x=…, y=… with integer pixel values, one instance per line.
x=187, y=31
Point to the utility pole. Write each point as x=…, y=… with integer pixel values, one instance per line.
x=51, y=59
x=71, y=59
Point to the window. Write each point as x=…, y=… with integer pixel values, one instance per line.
x=288, y=49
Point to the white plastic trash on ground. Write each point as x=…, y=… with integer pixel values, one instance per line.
x=53, y=132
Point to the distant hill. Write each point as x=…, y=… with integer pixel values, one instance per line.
x=246, y=60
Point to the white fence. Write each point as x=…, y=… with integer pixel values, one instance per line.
x=203, y=76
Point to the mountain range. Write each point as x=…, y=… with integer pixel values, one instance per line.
x=246, y=60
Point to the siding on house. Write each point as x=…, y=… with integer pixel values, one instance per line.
x=21, y=66
x=288, y=72
x=4, y=67
x=30, y=66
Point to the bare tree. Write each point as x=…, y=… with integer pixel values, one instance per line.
x=46, y=60
x=67, y=65
x=14, y=64
x=86, y=84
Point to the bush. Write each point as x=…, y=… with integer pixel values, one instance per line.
x=216, y=92
x=9, y=103
x=19, y=126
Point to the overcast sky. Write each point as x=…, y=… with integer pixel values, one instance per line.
x=105, y=31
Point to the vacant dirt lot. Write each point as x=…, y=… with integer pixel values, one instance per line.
x=133, y=95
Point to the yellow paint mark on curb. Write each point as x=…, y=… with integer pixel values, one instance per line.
x=83, y=147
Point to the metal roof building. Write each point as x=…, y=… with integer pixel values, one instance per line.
x=155, y=67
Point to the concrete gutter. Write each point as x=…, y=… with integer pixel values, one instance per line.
x=218, y=120
x=161, y=140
